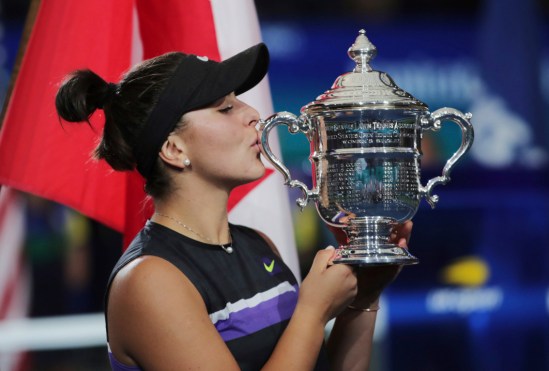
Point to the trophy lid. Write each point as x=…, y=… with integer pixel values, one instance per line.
x=364, y=87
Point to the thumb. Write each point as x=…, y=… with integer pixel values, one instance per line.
x=323, y=258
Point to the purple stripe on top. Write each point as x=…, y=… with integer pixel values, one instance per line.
x=252, y=319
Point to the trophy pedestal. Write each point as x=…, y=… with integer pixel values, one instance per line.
x=369, y=244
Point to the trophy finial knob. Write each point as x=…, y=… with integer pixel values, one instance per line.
x=362, y=52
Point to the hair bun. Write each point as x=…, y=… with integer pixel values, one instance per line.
x=81, y=93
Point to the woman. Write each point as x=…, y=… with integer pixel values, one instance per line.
x=193, y=291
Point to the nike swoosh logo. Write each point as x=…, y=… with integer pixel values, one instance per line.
x=269, y=268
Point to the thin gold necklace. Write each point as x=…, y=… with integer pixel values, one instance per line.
x=228, y=249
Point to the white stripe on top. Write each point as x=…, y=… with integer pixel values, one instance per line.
x=255, y=300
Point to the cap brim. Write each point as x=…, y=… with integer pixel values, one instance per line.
x=239, y=73
x=249, y=67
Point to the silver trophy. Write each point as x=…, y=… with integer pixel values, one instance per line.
x=365, y=138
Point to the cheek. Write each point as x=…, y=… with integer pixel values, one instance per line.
x=216, y=151
x=208, y=140
x=221, y=146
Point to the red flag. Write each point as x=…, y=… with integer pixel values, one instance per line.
x=39, y=157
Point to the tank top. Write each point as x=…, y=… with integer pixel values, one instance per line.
x=250, y=294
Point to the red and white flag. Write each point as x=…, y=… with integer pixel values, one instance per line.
x=39, y=156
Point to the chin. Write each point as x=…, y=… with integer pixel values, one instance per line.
x=259, y=172
x=255, y=173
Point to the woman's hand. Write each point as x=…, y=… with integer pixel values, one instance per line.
x=401, y=234
x=328, y=288
x=325, y=292
x=372, y=280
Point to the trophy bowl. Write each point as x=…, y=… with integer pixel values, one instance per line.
x=365, y=149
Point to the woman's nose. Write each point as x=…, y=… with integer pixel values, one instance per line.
x=253, y=117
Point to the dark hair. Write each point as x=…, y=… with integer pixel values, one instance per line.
x=126, y=106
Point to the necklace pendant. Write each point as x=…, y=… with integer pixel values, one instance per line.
x=228, y=249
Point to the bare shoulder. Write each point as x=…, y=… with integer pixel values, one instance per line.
x=157, y=317
x=148, y=286
x=146, y=289
x=146, y=274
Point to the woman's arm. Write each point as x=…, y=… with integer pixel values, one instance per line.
x=350, y=342
x=326, y=290
x=351, y=339
x=305, y=332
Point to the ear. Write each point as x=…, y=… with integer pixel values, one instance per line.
x=173, y=151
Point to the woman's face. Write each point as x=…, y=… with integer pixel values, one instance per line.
x=222, y=142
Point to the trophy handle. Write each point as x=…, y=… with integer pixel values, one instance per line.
x=294, y=125
x=433, y=122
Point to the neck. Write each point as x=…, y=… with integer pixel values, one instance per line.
x=203, y=210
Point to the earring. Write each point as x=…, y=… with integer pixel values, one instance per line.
x=186, y=162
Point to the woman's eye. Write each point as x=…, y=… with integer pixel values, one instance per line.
x=226, y=109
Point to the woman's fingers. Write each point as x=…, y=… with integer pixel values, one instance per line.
x=401, y=233
x=323, y=258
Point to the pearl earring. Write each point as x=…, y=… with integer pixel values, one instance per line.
x=186, y=162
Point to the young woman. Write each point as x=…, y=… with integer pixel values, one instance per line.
x=193, y=291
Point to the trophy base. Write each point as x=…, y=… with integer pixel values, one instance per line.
x=380, y=255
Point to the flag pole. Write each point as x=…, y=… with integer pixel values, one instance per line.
x=27, y=30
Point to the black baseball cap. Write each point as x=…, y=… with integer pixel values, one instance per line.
x=197, y=82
